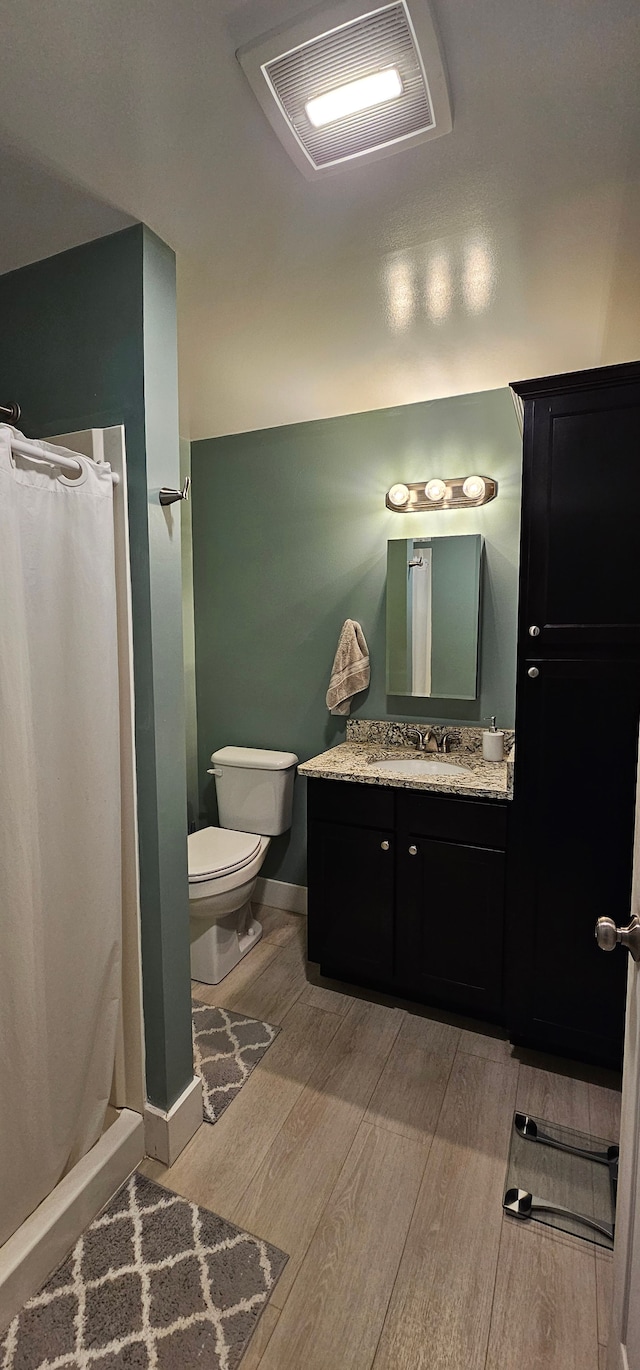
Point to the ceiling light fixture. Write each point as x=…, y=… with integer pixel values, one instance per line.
x=366, y=93
x=460, y=492
x=348, y=82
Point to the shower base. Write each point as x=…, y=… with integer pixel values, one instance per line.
x=33, y=1252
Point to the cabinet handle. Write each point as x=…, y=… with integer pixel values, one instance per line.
x=533, y=673
x=413, y=851
x=385, y=846
x=534, y=630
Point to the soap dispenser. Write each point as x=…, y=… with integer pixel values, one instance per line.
x=493, y=742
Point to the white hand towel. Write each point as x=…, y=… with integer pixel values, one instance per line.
x=350, y=672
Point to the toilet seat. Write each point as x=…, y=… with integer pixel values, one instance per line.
x=217, y=852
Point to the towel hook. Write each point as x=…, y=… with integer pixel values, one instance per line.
x=168, y=496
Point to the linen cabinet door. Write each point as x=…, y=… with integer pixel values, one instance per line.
x=570, y=853
x=450, y=925
x=351, y=900
x=580, y=500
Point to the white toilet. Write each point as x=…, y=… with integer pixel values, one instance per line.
x=255, y=796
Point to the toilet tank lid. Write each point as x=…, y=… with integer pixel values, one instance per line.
x=254, y=759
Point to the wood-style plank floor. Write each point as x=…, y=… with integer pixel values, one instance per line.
x=371, y=1144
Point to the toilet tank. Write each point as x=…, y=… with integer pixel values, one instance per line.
x=254, y=789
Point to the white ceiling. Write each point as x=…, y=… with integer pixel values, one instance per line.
x=505, y=249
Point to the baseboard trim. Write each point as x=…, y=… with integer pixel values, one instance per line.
x=167, y=1134
x=43, y=1241
x=281, y=895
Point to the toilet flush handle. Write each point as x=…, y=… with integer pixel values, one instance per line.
x=216, y=770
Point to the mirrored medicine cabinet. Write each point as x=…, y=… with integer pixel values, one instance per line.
x=433, y=616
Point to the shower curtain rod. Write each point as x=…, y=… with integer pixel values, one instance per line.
x=10, y=411
x=34, y=451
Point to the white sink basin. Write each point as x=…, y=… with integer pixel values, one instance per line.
x=419, y=766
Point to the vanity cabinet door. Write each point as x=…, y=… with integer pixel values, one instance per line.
x=351, y=900
x=450, y=924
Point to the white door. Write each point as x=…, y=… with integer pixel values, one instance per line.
x=624, y=1340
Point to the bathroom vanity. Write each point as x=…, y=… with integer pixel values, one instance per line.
x=406, y=872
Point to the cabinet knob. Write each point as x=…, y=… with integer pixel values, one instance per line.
x=385, y=846
x=534, y=630
x=533, y=673
x=413, y=851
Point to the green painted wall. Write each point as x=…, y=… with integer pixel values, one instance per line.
x=89, y=339
x=162, y=766
x=290, y=537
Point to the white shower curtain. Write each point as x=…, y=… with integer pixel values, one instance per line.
x=60, y=865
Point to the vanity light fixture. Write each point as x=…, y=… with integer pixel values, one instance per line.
x=459, y=492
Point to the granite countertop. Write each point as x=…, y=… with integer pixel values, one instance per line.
x=355, y=760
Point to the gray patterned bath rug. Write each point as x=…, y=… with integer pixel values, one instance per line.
x=155, y=1283
x=226, y=1047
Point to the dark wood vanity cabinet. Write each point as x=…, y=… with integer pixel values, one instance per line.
x=449, y=926
x=351, y=879
x=406, y=893
x=577, y=711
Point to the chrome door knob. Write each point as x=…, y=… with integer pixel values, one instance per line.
x=533, y=673
x=534, y=630
x=413, y=851
x=385, y=846
x=608, y=936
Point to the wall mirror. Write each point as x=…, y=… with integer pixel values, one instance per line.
x=433, y=616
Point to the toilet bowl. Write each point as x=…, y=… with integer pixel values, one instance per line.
x=223, y=869
x=254, y=787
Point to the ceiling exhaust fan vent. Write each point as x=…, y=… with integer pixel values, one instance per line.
x=347, y=85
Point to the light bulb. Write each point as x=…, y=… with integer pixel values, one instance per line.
x=365, y=93
x=398, y=495
x=435, y=490
x=474, y=487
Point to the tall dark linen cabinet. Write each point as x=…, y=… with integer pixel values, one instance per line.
x=577, y=710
